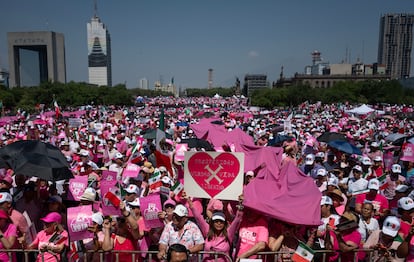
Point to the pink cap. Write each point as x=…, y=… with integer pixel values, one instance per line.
x=52, y=217
x=8, y=179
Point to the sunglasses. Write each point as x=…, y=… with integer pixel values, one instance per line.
x=218, y=221
x=169, y=206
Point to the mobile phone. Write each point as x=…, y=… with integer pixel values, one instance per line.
x=332, y=222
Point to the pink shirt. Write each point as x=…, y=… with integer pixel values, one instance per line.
x=380, y=203
x=354, y=237
x=42, y=239
x=251, y=233
x=11, y=230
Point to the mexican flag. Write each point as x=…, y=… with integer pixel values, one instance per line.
x=177, y=188
x=155, y=180
x=57, y=109
x=383, y=182
x=303, y=253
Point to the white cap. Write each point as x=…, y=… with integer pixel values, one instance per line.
x=378, y=159
x=162, y=169
x=396, y=168
x=366, y=161
x=83, y=152
x=118, y=156
x=357, y=168
x=391, y=226
x=406, y=203
x=333, y=181
x=321, y=172
x=374, y=144
x=180, y=210
x=5, y=197
x=132, y=189
x=97, y=218
x=166, y=180
x=326, y=201
x=310, y=158
x=374, y=184
x=134, y=203
x=320, y=154
x=250, y=173
x=401, y=188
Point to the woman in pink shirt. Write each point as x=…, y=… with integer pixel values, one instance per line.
x=8, y=236
x=52, y=240
x=218, y=233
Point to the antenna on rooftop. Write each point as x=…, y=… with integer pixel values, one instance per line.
x=95, y=8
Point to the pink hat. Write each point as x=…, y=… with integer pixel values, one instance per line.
x=8, y=179
x=52, y=217
x=3, y=214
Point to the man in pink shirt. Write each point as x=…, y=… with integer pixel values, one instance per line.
x=16, y=217
x=379, y=201
x=253, y=234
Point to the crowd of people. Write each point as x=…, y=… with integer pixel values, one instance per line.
x=366, y=199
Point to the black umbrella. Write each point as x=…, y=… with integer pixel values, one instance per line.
x=278, y=140
x=345, y=146
x=197, y=143
x=36, y=158
x=331, y=136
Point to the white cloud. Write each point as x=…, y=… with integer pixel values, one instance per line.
x=253, y=53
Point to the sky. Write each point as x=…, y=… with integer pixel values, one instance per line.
x=182, y=39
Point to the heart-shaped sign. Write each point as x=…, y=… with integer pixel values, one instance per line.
x=213, y=175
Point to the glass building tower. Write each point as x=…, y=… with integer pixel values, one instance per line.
x=395, y=44
x=99, y=53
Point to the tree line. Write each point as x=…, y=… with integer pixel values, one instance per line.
x=75, y=94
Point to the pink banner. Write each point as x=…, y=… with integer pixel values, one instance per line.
x=150, y=206
x=77, y=186
x=109, y=188
x=79, y=219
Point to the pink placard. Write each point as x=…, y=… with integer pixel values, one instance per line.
x=150, y=206
x=179, y=151
x=407, y=152
x=108, y=208
x=77, y=186
x=131, y=170
x=109, y=176
x=79, y=219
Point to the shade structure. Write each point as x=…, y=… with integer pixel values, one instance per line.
x=35, y=158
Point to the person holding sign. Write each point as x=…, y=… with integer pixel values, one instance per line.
x=125, y=236
x=52, y=240
x=218, y=232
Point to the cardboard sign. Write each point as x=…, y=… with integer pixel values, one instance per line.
x=77, y=186
x=214, y=174
x=79, y=219
x=150, y=206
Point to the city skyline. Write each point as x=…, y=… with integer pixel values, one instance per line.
x=181, y=40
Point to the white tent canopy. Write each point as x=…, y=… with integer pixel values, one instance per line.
x=363, y=110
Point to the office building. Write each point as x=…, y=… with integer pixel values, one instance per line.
x=395, y=44
x=143, y=83
x=36, y=57
x=99, y=53
x=253, y=82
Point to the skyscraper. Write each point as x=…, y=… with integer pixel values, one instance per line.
x=99, y=53
x=395, y=44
